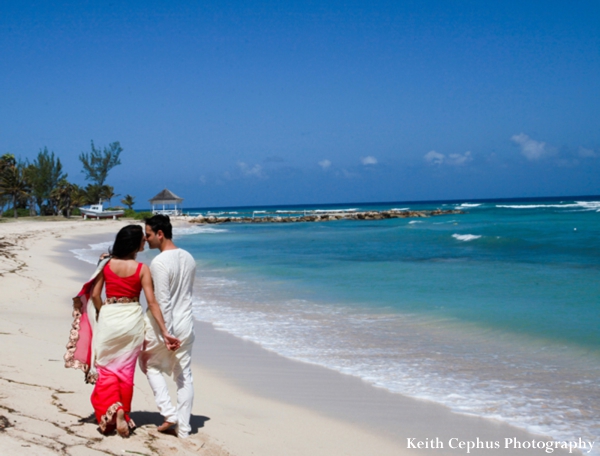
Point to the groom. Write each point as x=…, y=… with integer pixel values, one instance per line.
x=173, y=271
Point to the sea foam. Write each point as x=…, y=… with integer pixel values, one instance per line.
x=406, y=354
x=466, y=237
x=92, y=253
x=197, y=229
x=585, y=205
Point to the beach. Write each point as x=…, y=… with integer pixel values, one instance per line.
x=249, y=401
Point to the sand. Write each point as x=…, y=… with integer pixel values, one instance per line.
x=248, y=401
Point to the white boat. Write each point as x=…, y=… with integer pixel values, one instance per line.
x=97, y=211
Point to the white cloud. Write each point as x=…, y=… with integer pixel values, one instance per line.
x=532, y=149
x=325, y=164
x=458, y=159
x=247, y=170
x=348, y=174
x=434, y=157
x=587, y=153
x=370, y=160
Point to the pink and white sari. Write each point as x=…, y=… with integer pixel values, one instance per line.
x=107, y=351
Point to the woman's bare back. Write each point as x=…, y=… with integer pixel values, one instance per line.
x=123, y=268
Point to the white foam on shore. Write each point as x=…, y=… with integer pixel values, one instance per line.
x=466, y=237
x=407, y=354
x=92, y=253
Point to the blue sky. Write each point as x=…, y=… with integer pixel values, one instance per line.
x=249, y=103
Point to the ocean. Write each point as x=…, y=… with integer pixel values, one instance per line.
x=494, y=312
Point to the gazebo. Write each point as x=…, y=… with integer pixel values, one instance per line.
x=166, y=203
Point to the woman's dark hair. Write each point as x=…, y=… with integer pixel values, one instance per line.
x=128, y=240
x=160, y=222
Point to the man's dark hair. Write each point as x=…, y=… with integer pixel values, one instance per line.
x=128, y=240
x=160, y=222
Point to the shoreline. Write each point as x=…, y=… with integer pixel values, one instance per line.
x=250, y=400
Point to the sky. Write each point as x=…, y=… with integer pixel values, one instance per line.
x=231, y=103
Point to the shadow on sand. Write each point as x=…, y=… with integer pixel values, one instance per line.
x=152, y=418
x=155, y=418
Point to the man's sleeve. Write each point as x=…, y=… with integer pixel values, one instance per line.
x=160, y=277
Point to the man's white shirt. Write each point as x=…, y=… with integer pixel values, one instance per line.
x=173, y=273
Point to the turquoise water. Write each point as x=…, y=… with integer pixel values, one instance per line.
x=531, y=271
x=494, y=312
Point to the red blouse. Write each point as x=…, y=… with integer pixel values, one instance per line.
x=122, y=287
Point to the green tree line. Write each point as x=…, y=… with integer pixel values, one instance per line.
x=40, y=187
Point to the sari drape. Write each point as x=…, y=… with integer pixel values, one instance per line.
x=116, y=344
x=106, y=349
x=79, y=353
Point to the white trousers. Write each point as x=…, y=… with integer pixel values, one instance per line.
x=156, y=360
x=185, y=396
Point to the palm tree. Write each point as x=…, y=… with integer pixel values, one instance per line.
x=107, y=192
x=67, y=196
x=95, y=193
x=13, y=183
x=128, y=201
x=5, y=161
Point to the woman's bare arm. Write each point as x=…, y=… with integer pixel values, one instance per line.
x=97, y=291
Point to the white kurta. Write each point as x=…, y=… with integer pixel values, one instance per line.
x=173, y=273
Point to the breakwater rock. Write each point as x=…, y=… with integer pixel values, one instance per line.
x=321, y=217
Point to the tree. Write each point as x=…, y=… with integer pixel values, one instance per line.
x=13, y=183
x=107, y=193
x=44, y=175
x=5, y=161
x=128, y=201
x=98, y=163
x=67, y=196
x=95, y=193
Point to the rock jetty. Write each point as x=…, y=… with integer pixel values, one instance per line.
x=321, y=217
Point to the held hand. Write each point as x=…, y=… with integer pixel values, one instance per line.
x=77, y=304
x=172, y=343
x=103, y=256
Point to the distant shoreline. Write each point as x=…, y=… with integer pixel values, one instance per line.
x=388, y=203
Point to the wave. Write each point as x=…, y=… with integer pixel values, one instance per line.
x=197, y=229
x=318, y=211
x=424, y=366
x=466, y=237
x=91, y=254
x=414, y=222
x=586, y=205
x=400, y=209
x=445, y=223
x=469, y=205
x=590, y=205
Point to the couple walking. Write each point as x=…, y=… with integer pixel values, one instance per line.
x=108, y=337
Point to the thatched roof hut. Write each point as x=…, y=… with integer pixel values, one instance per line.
x=166, y=203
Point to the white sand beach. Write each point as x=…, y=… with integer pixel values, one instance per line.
x=248, y=401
